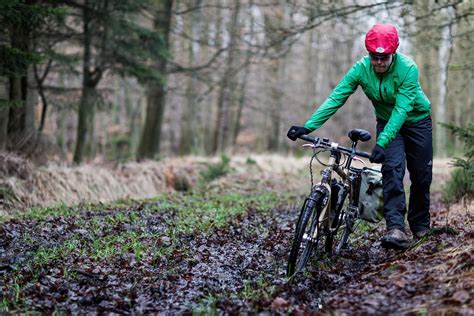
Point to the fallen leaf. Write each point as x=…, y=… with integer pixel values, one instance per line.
x=461, y=296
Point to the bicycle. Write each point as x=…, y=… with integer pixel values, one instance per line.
x=323, y=214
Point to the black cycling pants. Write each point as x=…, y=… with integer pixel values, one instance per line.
x=412, y=144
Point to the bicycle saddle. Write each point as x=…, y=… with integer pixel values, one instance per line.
x=359, y=134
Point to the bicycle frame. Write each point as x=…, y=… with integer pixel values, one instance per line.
x=350, y=177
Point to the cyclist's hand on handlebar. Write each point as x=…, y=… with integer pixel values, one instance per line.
x=378, y=155
x=296, y=131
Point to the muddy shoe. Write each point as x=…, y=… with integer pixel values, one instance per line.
x=395, y=239
x=422, y=233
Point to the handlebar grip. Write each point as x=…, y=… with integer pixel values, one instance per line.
x=308, y=138
x=363, y=154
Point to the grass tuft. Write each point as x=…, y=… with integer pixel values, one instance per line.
x=215, y=170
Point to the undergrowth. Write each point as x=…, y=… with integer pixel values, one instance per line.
x=107, y=232
x=461, y=183
x=215, y=171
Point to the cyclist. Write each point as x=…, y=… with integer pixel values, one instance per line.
x=404, y=131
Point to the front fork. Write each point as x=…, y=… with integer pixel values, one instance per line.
x=324, y=188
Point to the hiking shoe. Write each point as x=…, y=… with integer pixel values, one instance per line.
x=422, y=233
x=395, y=239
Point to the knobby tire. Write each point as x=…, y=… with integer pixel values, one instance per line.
x=344, y=238
x=307, y=222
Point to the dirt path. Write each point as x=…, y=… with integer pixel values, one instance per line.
x=149, y=257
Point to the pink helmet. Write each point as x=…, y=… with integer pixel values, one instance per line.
x=382, y=39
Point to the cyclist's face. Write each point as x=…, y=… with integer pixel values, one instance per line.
x=381, y=63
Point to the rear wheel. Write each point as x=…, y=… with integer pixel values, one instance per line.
x=336, y=218
x=334, y=235
x=307, y=234
x=347, y=228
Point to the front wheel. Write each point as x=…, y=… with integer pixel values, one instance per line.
x=307, y=233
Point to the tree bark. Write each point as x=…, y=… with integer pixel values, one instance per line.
x=4, y=112
x=445, y=54
x=223, y=133
x=156, y=95
x=241, y=101
x=278, y=73
x=90, y=80
x=190, y=137
x=21, y=114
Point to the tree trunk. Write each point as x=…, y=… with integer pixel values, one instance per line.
x=21, y=114
x=90, y=79
x=31, y=101
x=4, y=112
x=278, y=72
x=245, y=77
x=190, y=137
x=445, y=54
x=223, y=133
x=156, y=95
x=16, y=113
x=241, y=102
x=85, y=117
x=214, y=21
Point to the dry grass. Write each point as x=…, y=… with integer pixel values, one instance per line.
x=26, y=187
x=14, y=166
x=49, y=185
x=23, y=186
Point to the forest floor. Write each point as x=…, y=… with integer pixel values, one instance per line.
x=223, y=248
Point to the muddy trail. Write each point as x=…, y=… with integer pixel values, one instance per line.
x=184, y=253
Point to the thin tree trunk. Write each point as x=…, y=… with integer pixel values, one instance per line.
x=245, y=77
x=156, y=95
x=4, y=112
x=31, y=101
x=215, y=22
x=18, y=89
x=17, y=111
x=241, y=101
x=277, y=72
x=40, y=81
x=222, y=132
x=445, y=54
x=190, y=137
x=4, y=101
x=85, y=115
x=86, y=104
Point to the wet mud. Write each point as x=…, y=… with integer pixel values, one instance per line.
x=234, y=269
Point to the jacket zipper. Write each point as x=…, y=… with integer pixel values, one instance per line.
x=380, y=89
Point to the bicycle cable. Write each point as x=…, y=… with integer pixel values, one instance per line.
x=325, y=165
x=315, y=155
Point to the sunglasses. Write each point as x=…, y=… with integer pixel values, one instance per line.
x=380, y=57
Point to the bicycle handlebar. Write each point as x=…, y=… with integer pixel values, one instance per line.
x=326, y=143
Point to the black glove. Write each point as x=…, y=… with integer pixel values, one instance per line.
x=378, y=155
x=296, y=131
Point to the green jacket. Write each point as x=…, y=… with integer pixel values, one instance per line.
x=396, y=95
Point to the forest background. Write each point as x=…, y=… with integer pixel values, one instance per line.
x=119, y=80
x=209, y=88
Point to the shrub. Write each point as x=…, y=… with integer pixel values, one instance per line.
x=216, y=170
x=461, y=183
